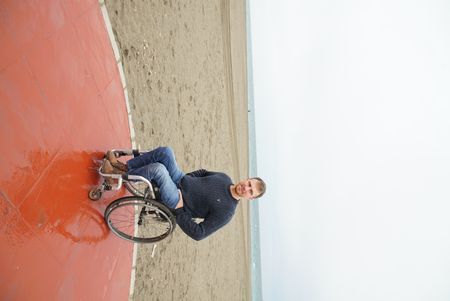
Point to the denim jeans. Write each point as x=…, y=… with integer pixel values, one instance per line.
x=160, y=166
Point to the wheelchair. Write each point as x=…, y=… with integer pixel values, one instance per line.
x=140, y=218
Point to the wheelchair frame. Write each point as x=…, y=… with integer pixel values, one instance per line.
x=148, y=199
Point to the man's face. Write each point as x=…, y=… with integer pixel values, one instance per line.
x=248, y=189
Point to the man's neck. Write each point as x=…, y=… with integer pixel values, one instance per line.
x=233, y=192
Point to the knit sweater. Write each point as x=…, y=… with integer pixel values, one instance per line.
x=206, y=195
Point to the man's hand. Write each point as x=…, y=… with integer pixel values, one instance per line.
x=180, y=202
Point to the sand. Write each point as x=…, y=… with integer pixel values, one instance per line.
x=185, y=70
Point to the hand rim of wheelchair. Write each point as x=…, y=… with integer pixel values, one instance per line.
x=132, y=201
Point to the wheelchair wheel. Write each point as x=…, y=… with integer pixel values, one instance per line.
x=139, y=220
x=95, y=194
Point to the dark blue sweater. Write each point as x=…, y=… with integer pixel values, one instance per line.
x=206, y=195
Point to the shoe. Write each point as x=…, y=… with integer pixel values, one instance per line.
x=107, y=168
x=120, y=166
x=111, y=157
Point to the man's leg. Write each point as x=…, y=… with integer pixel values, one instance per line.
x=158, y=173
x=163, y=155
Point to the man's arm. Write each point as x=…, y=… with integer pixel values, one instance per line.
x=200, y=173
x=210, y=224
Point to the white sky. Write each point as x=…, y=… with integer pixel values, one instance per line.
x=353, y=135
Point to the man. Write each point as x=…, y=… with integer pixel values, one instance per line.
x=204, y=194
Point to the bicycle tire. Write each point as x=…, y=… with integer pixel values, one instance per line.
x=131, y=208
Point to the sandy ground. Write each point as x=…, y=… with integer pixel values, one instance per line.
x=185, y=70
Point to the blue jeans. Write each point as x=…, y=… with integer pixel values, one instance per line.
x=160, y=166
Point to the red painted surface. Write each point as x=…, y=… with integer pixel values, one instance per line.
x=62, y=105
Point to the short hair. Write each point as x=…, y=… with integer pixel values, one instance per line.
x=262, y=186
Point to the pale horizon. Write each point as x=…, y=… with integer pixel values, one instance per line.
x=352, y=106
